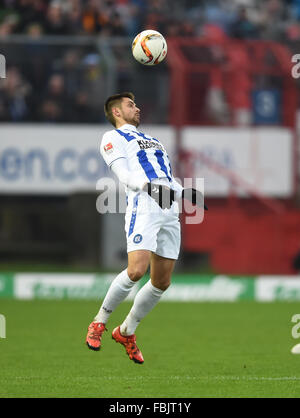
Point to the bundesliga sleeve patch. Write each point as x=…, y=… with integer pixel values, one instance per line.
x=108, y=147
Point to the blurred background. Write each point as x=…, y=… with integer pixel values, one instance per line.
x=224, y=103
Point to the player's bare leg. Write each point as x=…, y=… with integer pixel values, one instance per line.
x=138, y=263
x=161, y=270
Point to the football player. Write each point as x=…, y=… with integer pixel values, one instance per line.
x=152, y=224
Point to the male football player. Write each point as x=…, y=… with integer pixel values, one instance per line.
x=152, y=225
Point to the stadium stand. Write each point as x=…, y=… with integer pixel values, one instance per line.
x=54, y=86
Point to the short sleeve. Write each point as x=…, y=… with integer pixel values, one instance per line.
x=112, y=147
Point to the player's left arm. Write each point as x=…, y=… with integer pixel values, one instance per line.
x=194, y=196
x=177, y=189
x=191, y=194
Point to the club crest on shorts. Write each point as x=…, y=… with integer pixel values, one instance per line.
x=137, y=238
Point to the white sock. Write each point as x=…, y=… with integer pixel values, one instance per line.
x=117, y=292
x=146, y=298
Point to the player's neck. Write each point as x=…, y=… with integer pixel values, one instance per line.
x=120, y=125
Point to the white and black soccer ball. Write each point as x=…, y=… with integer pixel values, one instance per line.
x=149, y=47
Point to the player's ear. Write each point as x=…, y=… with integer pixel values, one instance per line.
x=116, y=111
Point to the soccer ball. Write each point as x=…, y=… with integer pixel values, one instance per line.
x=296, y=349
x=149, y=47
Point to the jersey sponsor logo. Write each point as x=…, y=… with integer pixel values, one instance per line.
x=108, y=148
x=145, y=144
x=137, y=238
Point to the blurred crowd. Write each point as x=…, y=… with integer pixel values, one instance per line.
x=43, y=84
x=69, y=87
x=271, y=19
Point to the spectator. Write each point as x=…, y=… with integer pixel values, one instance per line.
x=35, y=62
x=92, y=19
x=292, y=32
x=71, y=70
x=273, y=20
x=14, y=97
x=30, y=12
x=9, y=25
x=242, y=27
x=74, y=21
x=34, y=30
x=55, y=104
x=187, y=29
x=51, y=112
x=55, y=23
x=115, y=27
x=83, y=111
x=93, y=82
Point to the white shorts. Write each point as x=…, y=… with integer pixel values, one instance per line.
x=148, y=227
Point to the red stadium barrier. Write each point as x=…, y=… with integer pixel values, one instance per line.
x=234, y=68
x=242, y=243
x=245, y=236
x=242, y=236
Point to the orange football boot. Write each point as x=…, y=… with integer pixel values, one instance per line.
x=129, y=342
x=93, y=338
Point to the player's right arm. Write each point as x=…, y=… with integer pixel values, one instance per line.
x=120, y=168
x=164, y=196
x=114, y=153
x=112, y=147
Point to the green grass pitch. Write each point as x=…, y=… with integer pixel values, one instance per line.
x=190, y=349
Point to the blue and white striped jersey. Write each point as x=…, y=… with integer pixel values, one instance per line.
x=146, y=156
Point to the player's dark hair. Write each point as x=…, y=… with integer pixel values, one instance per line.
x=113, y=101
